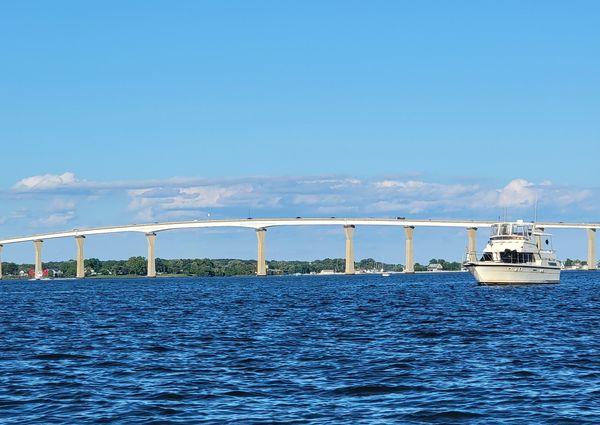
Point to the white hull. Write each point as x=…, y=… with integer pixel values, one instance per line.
x=514, y=274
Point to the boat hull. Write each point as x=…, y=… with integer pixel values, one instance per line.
x=512, y=274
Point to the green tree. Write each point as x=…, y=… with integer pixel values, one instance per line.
x=136, y=266
x=367, y=264
x=10, y=269
x=420, y=268
x=93, y=264
x=69, y=268
x=202, y=268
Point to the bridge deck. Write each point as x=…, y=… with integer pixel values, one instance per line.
x=260, y=223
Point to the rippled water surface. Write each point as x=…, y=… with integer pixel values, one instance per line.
x=360, y=349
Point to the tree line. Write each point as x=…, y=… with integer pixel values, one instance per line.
x=137, y=266
x=570, y=263
x=446, y=265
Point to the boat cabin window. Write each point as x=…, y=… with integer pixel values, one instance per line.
x=487, y=256
x=507, y=229
x=512, y=256
x=520, y=230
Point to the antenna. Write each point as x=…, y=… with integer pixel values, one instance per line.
x=535, y=208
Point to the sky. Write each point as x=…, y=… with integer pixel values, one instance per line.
x=119, y=112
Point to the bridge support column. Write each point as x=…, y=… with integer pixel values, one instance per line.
x=261, y=264
x=80, y=258
x=472, y=244
x=591, y=234
x=38, y=259
x=151, y=268
x=1, y=246
x=349, y=231
x=409, y=267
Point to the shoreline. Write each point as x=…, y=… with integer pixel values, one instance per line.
x=170, y=275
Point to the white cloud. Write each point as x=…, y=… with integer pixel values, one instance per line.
x=68, y=181
x=572, y=197
x=138, y=192
x=209, y=196
x=521, y=194
x=56, y=219
x=194, y=201
x=420, y=188
x=46, y=182
x=517, y=193
x=330, y=181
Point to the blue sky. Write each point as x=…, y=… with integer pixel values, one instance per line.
x=121, y=112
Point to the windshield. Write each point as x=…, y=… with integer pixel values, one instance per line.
x=518, y=230
x=509, y=229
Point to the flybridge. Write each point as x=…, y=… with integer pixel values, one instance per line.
x=260, y=225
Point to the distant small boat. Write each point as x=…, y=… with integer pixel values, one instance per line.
x=385, y=274
x=516, y=253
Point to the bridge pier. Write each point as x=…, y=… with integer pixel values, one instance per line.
x=409, y=267
x=151, y=267
x=1, y=246
x=38, y=259
x=591, y=234
x=472, y=244
x=80, y=258
x=261, y=264
x=349, y=231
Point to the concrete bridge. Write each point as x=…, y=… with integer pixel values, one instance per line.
x=261, y=225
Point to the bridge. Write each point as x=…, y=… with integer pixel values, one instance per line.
x=261, y=225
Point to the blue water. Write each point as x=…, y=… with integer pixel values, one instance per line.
x=365, y=349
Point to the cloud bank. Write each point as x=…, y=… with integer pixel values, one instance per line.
x=187, y=198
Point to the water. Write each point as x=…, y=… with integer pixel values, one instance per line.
x=365, y=349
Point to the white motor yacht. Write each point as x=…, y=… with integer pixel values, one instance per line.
x=516, y=253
